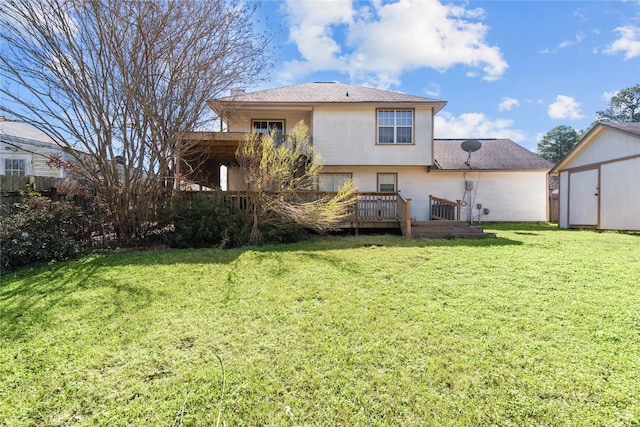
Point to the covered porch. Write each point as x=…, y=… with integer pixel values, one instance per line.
x=201, y=156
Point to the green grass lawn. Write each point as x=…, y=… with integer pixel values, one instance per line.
x=537, y=327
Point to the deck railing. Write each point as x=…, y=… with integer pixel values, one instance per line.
x=443, y=209
x=371, y=207
x=404, y=212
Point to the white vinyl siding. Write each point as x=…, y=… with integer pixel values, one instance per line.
x=615, y=195
x=245, y=120
x=349, y=137
x=610, y=145
x=511, y=196
x=620, y=195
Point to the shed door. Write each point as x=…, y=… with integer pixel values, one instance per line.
x=583, y=198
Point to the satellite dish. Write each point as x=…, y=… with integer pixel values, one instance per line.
x=471, y=145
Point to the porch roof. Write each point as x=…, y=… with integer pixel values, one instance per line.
x=219, y=145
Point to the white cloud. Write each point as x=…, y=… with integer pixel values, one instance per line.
x=433, y=90
x=608, y=95
x=474, y=125
x=508, y=103
x=312, y=28
x=565, y=107
x=629, y=42
x=380, y=41
x=567, y=43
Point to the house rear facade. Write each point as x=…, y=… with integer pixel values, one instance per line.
x=384, y=141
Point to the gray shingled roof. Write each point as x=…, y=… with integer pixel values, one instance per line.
x=632, y=127
x=495, y=154
x=329, y=92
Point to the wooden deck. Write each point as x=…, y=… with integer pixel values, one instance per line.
x=392, y=211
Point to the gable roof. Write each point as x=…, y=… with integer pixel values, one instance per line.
x=14, y=131
x=494, y=154
x=630, y=128
x=326, y=92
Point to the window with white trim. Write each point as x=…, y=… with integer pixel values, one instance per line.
x=332, y=181
x=387, y=182
x=395, y=126
x=15, y=167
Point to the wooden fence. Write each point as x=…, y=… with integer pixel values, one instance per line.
x=52, y=187
x=554, y=207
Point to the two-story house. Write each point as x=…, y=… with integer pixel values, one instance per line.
x=384, y=141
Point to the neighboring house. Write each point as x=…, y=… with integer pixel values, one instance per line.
x=26, y=151
x=599, y=179
x=384, y=141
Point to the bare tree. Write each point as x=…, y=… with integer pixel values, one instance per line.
x=279, y=177
x=116, y=81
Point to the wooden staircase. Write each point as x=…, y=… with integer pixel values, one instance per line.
x=448, y=230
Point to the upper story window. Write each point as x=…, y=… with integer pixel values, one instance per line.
x=268, y=126
x=15, y=167
x=395, y=126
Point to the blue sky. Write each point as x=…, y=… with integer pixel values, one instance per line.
x=508, y=69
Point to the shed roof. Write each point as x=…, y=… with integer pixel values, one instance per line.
x=631, y=128
x=326, y=92
x=494, y=154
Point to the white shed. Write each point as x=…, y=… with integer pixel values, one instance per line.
x=600, y=179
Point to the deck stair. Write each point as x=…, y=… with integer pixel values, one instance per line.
x=448, y=229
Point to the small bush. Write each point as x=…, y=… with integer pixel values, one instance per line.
x=289, y=233
x=201, y=220
x=38, y=230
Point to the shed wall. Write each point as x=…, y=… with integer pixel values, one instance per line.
x=607, y=145
x=620, y=195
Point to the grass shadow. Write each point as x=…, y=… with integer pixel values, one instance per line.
x=86, y=266
x=27, y=296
